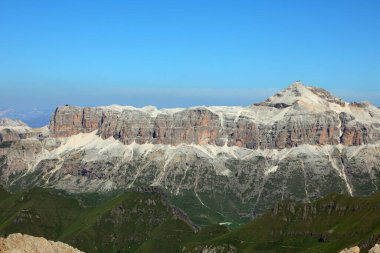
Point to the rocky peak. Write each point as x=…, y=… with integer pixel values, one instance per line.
x=299, y=94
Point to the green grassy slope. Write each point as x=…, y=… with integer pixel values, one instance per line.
x=122, y=223
x=327, y=225
x=145, y=222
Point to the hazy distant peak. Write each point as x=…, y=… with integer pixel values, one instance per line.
x=12, y=123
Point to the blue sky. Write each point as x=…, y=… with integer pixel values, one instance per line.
x=182, y=53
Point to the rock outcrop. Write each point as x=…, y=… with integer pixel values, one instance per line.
x=19, y=243
x=225, y=248
x=354, y=249
x=375, y=249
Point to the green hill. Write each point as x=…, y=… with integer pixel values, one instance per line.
x=121, y=223
x=327, y=225
x=138, y=221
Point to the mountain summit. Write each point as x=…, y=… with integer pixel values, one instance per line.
x=306, y=95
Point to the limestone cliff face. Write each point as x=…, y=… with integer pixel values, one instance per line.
x=18, y=243
x=298, y=115
x=70, y=120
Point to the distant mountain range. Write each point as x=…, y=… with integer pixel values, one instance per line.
x=33, y=118
x=220, y=164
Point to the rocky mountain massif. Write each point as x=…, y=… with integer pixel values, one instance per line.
x=219, y=164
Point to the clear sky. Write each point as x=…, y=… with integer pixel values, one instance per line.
x=184, y=52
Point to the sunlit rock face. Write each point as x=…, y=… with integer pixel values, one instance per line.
x=302, y=143
x=17, y=243
x=375, y=249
